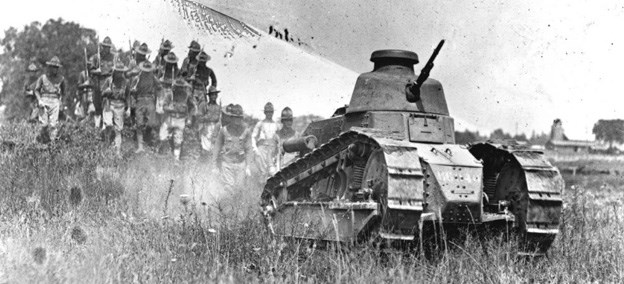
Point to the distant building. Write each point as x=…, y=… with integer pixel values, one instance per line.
x=559, y=142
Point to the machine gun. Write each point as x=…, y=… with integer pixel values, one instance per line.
x=412, y=90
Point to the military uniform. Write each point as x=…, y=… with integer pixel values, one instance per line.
x=50, y=89
x=116, y=91
x=233, y=148
x=286, y=132
x=177, y=107
x=160, y=62
x=264, y=143
x=29, y=91
x=190, y=62
x=145, y=88
x=140, y=55
x=102, y=67
x=209, y=120
x=168, y=74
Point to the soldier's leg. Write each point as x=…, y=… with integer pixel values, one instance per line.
x=42, y=111
x=140, y=125
x=164, y=134
x=118, y=121
x=178, y=136
x=152, y=123
x=54, y=111
x=232, y=175
x=34, y=109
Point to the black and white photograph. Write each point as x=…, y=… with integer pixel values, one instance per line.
x=229, y=141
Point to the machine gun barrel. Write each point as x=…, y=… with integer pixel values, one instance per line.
x=424, y=73
x=413, y=88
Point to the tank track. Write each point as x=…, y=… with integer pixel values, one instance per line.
x=361, y=184
x=530, y=185
x=313, y=165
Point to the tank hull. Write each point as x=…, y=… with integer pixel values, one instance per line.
x=362, y=185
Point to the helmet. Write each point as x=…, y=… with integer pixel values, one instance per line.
x=228, y=109
x=146, y=66
x=194, y=46
x=237, y=111
x=287, y=114
x=120, y=67
x=213, y=90
x=166, y=45
x=268, y=107
x=203, y=57
x=171, y=58
x=32, y=67
x=55, y=61
x=143, y=49
x=180, y=82
x=107, y=42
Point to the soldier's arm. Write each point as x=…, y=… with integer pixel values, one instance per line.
x=127, y=96
x=189, y=102
x=255, y=134
x=248, y=150
x=106, y=87
x=62, y=90
x=213, y=78
x=216, y=151
x=94, y=62
x=38, y=86
x=184, y=68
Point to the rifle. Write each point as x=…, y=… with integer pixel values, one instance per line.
x=413, y=88
x=86, y=63
x=131, y=49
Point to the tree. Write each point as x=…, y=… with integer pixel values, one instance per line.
x=609, y=130
x=467, y=136
x=499, y=134
x=39, y=43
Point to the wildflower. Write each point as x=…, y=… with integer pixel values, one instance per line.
x=184, y=199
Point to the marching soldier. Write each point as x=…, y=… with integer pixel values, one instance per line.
x=140, y=55
x=145, y=88
x=285, y=133
x=190, y=62
x=169, y=72
x=116, y=90
x=209, y=121
x=202, y=77
x=29, y=90
x=102, y=66
x=165, y=47
x=233, y=148
x=49, y=90
x=177, y=108
x=264, y=143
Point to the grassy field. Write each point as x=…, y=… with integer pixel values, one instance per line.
x=75, y=213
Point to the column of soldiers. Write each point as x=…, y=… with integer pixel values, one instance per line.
x=161, y=100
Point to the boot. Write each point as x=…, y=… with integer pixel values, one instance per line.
x=139, y=142
x=176, y=153
x=118, y=143
x=97, y=119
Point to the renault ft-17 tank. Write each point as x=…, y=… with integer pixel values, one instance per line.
x=386, y=166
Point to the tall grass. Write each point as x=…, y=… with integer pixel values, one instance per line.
x=133, y=228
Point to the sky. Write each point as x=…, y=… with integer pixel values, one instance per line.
x=516, y=65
